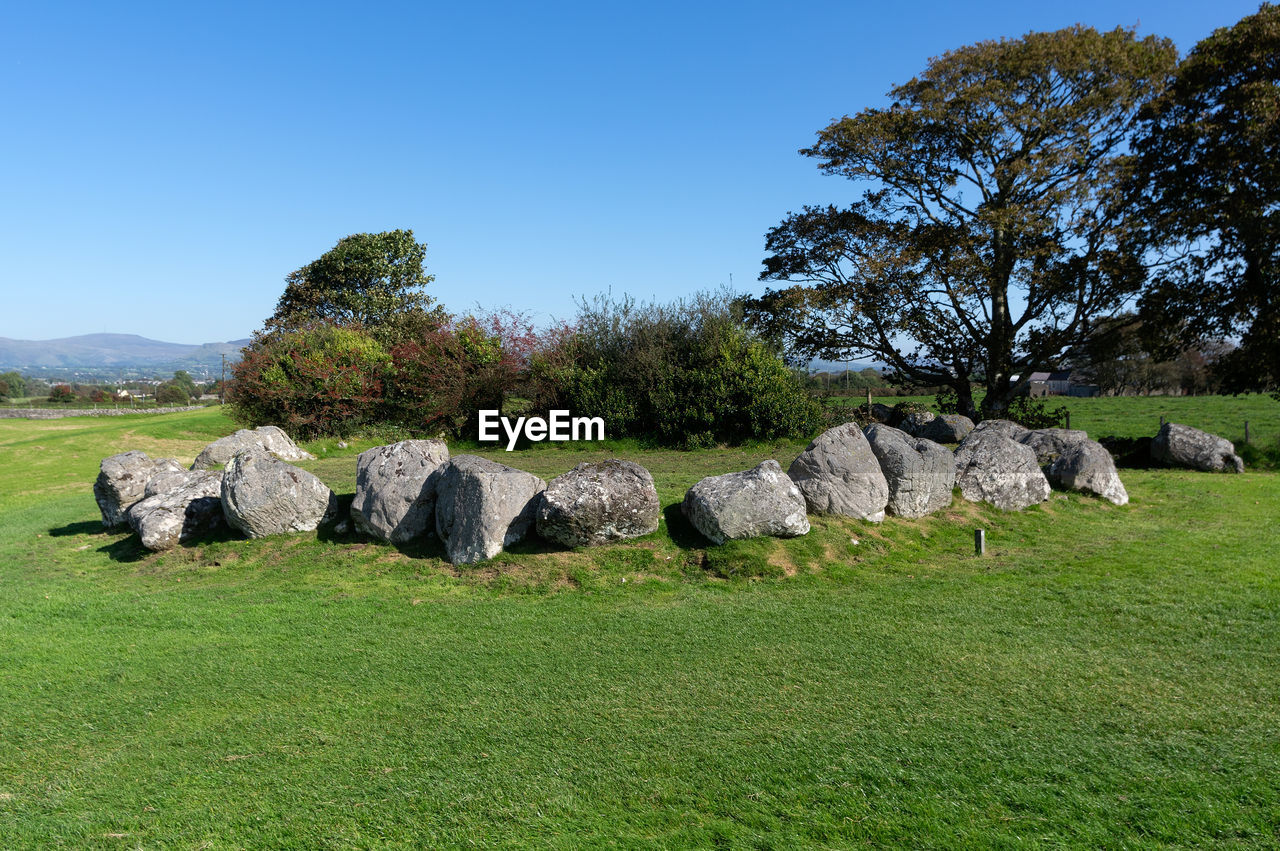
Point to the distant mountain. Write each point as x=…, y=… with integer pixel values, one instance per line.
x=818, y=365
x=105, y=354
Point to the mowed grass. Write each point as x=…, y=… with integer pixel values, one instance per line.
x=1105, y=676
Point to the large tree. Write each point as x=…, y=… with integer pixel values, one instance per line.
x=1207, y=166
x=988, y=236
x=372, y=280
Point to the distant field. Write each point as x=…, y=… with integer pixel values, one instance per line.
x=1105, y=677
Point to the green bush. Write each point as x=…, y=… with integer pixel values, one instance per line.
x=686, y=375
x=1032, y=413
x=170, y=394
x=318, y=380
x=902, y=410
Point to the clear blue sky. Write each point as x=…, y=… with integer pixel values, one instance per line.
x=166, y=165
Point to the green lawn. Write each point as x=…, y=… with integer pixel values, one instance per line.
x=1106, y=676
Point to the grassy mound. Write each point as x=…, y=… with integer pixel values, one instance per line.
x=1105, y=676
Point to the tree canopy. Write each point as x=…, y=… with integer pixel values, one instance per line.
x=989, y=235
x=183, y=380
x=12, y=385
x=372, y=280
x=1207, y=170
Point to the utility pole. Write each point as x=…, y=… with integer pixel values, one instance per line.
x=222, y=386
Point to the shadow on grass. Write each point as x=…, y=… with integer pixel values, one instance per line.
x=682, y=532
x=424, y=547
x=421, y=548
x=128, y=549
x=86, y=527
x=532, y=544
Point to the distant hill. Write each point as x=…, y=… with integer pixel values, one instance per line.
x=108, y=354
x=818, y=365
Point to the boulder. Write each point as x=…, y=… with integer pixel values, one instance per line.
x=1049, y=443
x=1004, y=428
x=1184, y=446
x=122, y=481
x=920, y=473
x=992, y=468
x=483, y=506
x=396, y=489
x=262, y=495
x=751, y=504
x=946, y=428
x=915, y=423
x=1087, y=466
x=270, y=438
x=168, y=480
x=179, y=507
x=599, y=502
x=839, y=474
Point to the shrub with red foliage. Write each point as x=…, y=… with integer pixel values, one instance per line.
x=439, y=382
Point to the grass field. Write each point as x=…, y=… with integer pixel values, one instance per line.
x=1107, y=677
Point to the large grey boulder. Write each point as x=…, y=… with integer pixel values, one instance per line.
x=599, y=502
x=916, y=422
x=946, y=428
x=1184, y=446
x=919, y=472
x=1049, y=443
x=992, y=468
x=396, y=489
x=122, y=481
x=270, y=438
x=751, y=504
x=1004, y=428
x=168, y=480
x=1088, y=466
x=839, y=474
x=483, y=506
x=179, y=507
x=262, y=495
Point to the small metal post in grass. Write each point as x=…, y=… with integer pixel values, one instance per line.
x=1068, y=419
x=1246, y=432
x=980, y=542
x=1162, y=421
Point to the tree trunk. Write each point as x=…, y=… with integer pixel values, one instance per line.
x=964, y=399
x=995, y=406
x=1000, y=338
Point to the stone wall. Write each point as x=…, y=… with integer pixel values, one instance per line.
x=59, y=413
